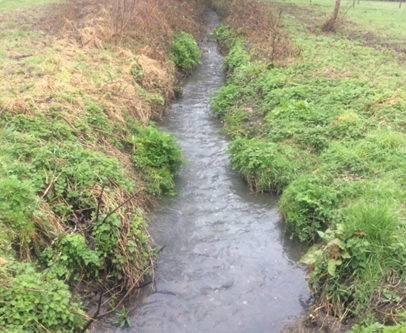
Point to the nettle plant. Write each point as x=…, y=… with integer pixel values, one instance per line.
x=185, y=51
x=350, y=262
x=157, y=154
x=71, y=258
x=36, y=302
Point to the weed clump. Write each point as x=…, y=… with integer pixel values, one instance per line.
x=309, y=204
x=358, y=252
x=156, y=152
x=33, y=300
x=185, y=51
x=269, y=167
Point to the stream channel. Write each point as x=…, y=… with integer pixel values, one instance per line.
x=227, y=265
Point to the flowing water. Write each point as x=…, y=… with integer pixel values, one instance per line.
x=227, y=265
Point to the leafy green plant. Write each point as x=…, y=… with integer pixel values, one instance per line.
x=133, y=252
x=157, y=154
x=227, y=97
x=225, y=35
x=236, y=57
x=74, y=170
x=378, y=328
x=265, y=165
x=354, y=256
x=309, y=204
x=97, y=117
x=35, y=302
x=18, y=204
x=71, y=258
x=185, y=51
x=122, y=318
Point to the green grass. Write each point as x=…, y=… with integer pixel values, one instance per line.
x=383, y=18
x=12, y=5
x=327, y=131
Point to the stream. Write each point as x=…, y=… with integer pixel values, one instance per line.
x=227, y=265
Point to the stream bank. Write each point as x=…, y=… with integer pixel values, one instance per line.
x=320, y=128
x=80, y=159
x=227, y=265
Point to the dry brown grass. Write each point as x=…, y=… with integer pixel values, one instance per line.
x=261, y=26
x=145, y=25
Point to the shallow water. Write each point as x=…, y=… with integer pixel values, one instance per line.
x=227, y=265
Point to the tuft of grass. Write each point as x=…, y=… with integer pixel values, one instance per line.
x=185, y=51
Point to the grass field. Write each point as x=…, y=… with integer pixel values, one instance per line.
x=384, y=19
x=12, y=5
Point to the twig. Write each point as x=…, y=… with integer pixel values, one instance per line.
x=130, y=290
x=53, y=181
x=99, y=303
x=21, y=56
x=97, y=314
x=99, y=203
x=121, y=205
x=161, y=249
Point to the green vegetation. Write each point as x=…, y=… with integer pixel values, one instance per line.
x=383, y=18
x=378, y=328
x=80, y=162
x=50, y=182
x=122, y=319
x=185, y=51
x=157, y=154
x=327, y=131
x=9, y=5
x=31, y=301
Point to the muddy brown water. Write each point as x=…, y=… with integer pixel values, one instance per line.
x=227, y=265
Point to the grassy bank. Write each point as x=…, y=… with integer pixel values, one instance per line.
x=81, y=160
x=320, y=119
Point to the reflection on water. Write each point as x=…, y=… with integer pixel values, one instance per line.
x=227, y=265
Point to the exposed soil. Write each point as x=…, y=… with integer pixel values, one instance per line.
x=316, y=321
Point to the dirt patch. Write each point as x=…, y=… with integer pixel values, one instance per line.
x=316, y=321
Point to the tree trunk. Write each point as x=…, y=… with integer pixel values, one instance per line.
x=330, y=24
x=336, y=10
x=400, y=4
